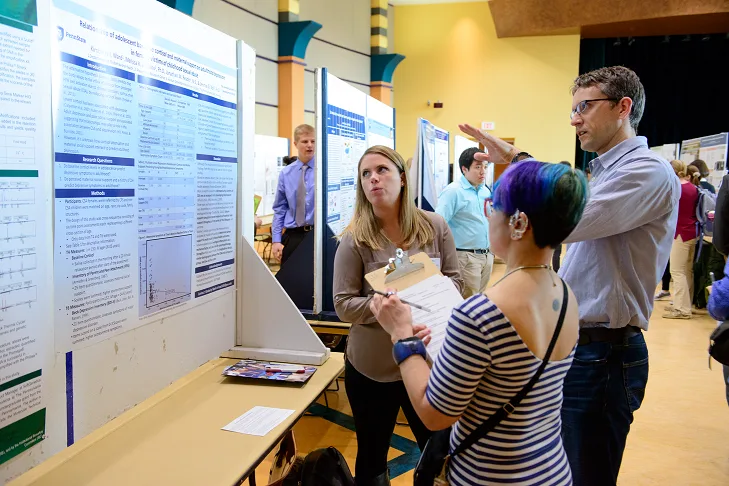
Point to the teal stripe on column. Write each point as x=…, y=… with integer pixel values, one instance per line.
x=184, y=6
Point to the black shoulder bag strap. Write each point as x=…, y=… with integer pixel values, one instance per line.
x=510, y=406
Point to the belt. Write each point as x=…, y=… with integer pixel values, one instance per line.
x=301, y=229
x=606, y=335
x=477, y=252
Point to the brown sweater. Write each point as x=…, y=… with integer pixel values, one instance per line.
x=369, y=348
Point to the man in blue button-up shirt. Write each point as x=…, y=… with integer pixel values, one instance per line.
x=462, y=206
x=620, y=249
x=289, y=195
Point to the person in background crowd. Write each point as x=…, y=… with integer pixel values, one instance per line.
x=704, y=171
x=619, y=251
x=665, y=293
x=694, y=176
x=289, y=159
x=293, y=207
x=461, y=204
x=385, y=219
x=557, y=256
x=719, y=298
x=684, y=246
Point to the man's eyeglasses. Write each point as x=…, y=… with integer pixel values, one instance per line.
x=582, y=105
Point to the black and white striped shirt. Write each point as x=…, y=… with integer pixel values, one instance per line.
x=483, y=363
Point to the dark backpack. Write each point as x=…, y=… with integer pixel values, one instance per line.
x=325, y=467
x=719, y=343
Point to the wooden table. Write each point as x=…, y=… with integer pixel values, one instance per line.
x=174, y=437
x=326, y=327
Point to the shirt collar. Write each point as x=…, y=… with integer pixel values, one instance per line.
x=617, y=152
x=467, y=185
x=310, y=163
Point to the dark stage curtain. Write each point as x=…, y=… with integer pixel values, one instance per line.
x=685, y=80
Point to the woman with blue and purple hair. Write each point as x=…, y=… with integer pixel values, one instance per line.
x=498, y=341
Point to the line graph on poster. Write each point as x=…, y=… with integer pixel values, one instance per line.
x=17, y=294
x=16, y=228
x=17, y=263
x=16, y=194
x=165, y=273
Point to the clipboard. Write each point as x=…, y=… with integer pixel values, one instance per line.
x=376, y=279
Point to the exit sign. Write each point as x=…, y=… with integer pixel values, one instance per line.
x=488, y=125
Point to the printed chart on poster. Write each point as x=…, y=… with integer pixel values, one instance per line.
x=145, y=166
x=712, y=150
x=25, y=241
x=346, y=141
x=441, y=159
x=269, y=153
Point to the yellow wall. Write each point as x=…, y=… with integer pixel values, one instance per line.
x=453, y=55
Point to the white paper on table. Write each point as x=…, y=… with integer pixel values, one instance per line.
x=440, y=296
x=258, y=421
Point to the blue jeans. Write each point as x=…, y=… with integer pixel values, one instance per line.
x=603, y=388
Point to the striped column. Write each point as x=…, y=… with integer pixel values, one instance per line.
x=378, y=27
x=293, y=39
x=382, y=64
x=288, y=10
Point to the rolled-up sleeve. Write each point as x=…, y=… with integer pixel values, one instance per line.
x=449, y=258
x=631, y=197
x=347, y=285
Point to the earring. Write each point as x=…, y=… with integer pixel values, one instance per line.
x=517, y=231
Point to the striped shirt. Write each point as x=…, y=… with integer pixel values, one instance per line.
x=483, y=363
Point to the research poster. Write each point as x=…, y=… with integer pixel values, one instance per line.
x=668, y=151
x=25, y=317
x=346, y=132
x=269, y=153
x=712, y=150
x=145, y=166
x=440, y=160
x=380, y=124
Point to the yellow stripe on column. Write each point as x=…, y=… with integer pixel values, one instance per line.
x=378, y=21
x=378, y=41
x=288, y=6
x=379, y=4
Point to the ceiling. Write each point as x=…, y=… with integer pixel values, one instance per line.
x=609, y=18
x=422, y=2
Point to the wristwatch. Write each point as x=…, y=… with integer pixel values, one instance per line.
x=405, y=348
x=521, y=156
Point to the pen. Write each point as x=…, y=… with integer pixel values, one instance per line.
x=387, y=294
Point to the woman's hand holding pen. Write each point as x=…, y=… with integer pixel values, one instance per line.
x=396, y=318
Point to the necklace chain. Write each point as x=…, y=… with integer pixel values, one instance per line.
x=527, y=267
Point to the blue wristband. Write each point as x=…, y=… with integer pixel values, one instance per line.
x=405, y=348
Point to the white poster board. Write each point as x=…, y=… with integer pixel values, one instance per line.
x=422, y=170
x=669, y=151
x=145, y=170
x=441, y=160
x=267, y=164
x=380, y=124
x=459, y=145
x=26, y=326
x=712, y=150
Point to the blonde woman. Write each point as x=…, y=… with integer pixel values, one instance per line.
x=385, y=218
x=684, y=246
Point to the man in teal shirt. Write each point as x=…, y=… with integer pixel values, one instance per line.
x=462, y=206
